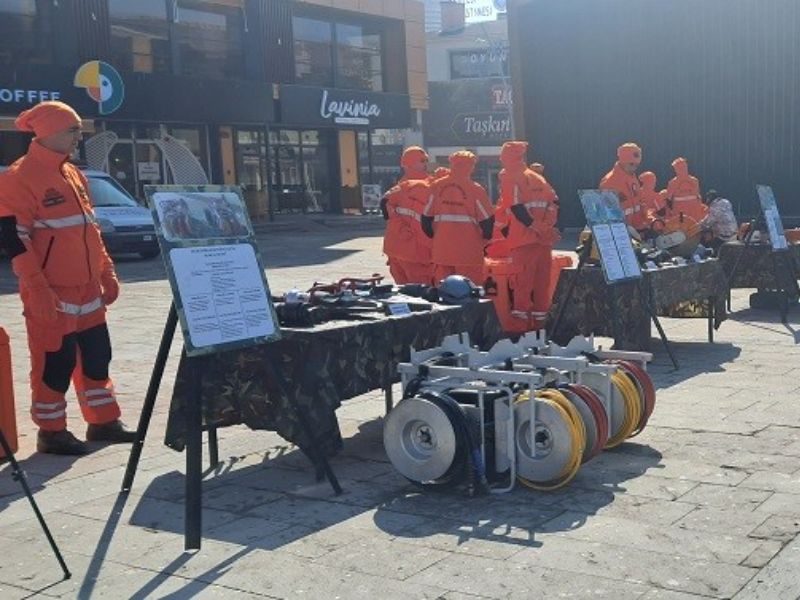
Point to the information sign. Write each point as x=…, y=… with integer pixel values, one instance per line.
x=772, y=218
x=609, y=231
x=212, y=260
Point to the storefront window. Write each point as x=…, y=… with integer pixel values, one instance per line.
x=26, y=30
x=210, y=40
x=300, y=170
x=358, y=58
x=313, y=51
x=344, y=55
x=140, y=35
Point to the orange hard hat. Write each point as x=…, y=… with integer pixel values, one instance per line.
x=629, y=153
x=47, y=118
x=648, y=179
x=514, y=150
x=413, y=155
x=462, y=157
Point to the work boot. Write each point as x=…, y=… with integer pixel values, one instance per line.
x=60, y=442
x=114, y=432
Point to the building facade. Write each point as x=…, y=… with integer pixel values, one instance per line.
x=470, y=91
x=300, y=103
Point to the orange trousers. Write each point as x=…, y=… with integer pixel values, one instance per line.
x=532, y=283
x=472, y=272
x=404, y=271
x=76, y=346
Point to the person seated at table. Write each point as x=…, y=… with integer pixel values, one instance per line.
x=683, y=193
x=719, y=226
x=652, y=199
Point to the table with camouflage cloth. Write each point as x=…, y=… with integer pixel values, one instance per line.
x=695, y=290
x=323, y=365
x=755, y=268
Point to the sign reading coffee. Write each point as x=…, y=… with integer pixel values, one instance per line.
x=315, y=107
x=468, y=112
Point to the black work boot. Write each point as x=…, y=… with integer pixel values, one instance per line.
x=60, y=442
x=114, y=432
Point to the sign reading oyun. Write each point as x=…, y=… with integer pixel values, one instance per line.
x=103, y=84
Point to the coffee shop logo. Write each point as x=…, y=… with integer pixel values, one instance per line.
x=103, y=84
x=348, y=112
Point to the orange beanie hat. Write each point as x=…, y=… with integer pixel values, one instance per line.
x=413, y=155
x=47, y=118
x=629, y=153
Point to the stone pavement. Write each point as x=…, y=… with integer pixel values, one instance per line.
x=704, y=504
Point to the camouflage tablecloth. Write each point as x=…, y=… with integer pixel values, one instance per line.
x=675, y=291
x=323, y=366
x=755, y=267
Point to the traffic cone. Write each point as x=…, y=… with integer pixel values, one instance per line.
x=8, y=415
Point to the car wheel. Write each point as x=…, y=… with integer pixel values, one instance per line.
x=149, y=254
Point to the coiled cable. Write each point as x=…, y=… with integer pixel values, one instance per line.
x=633, y=408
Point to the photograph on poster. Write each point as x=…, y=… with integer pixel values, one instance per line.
x=197, y=216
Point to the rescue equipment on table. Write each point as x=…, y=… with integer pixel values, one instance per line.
x=457, y=289
x=530, y=412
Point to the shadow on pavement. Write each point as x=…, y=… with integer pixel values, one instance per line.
x=277, y=503
x=694, y=358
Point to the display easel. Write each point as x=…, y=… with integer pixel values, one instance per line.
x=194, y=428
x=19, y=475
x=783, y=266
x=222, y=300
x=603, y=211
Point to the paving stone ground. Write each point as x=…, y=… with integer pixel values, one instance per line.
x=704, y=504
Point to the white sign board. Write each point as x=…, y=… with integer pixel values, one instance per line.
x=609, y=231
x=477, y=11
x=371, y=194
x=772, y=217
x=149, y=171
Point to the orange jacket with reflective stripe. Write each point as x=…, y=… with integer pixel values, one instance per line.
x=457, y=206
x=50, y=199
x=404, y=238
x=684, y=194
x=631, y=199
x=531, y=190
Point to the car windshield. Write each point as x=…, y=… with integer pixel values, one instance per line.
x=106, y=192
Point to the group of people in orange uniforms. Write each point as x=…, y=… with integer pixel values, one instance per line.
x=66, y=280
x=440, y=225
x=647, y=209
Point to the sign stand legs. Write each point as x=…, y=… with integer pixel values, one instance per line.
x=646, y=299
x=194, y=432
x=18, y=474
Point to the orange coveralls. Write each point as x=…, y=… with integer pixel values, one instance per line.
x=683, y=193
x=459, y=217
x=63, y=267
x=631, y=199
x=530, y=205
x=406, y=247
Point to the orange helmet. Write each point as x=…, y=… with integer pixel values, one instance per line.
x=629, y=153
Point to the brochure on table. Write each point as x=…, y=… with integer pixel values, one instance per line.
x=610, y=232
x=214, y=268
x=772, y=217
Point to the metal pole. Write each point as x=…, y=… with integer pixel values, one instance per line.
x=194, y=456
x=19, y=475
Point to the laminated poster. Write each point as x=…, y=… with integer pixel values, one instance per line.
x=607, y=222
x=769, y=207
x=214, y=268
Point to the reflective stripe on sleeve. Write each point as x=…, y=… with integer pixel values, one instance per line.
x=407, y=212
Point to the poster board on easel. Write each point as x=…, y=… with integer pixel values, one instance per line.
x=213, y=265
x=606, y=220
x=772, y=218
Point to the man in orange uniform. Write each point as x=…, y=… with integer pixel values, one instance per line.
x=66, y=280
x=683, y=193
x=458, y=217
x=406, y=246
x=652, y=199
x=531, y=206
x=623, y=180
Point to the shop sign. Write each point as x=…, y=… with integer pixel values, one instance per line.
x=311, y=106
x=468, y=112
x=477, y=11
x=27, y=96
